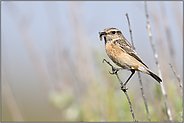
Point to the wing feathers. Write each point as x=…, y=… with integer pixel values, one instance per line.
x=126, y=47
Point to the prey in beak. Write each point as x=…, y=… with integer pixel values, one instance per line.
x=101, y=33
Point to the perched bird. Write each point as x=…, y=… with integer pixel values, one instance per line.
x=121, y=52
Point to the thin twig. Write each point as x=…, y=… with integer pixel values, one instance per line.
x=139, y=75
x=115, y=71
x=131, y=108
x=143, y=96
x=130, y=30
x=178, y=77
x=158, y=66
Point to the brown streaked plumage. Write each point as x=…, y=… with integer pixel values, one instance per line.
x=121, y=52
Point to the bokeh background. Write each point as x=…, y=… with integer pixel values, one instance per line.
x=51, y=60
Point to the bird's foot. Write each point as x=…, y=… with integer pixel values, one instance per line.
x=123, y=88
x=115, y=70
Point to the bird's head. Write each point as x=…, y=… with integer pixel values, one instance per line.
x=110, y=34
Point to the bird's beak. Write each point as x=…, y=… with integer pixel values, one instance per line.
x=101, y=33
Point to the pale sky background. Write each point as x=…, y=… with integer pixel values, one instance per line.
x=46, y=20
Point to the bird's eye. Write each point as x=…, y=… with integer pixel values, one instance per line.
x=113, y=32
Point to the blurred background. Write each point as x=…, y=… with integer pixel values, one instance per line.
x=51, y=61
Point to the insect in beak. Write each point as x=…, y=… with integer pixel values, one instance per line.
x=101, y=33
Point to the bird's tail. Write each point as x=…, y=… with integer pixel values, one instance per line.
x=147, y=71
x=154, y=76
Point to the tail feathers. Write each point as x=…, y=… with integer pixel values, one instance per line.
x=155, y=76
x=147, y=71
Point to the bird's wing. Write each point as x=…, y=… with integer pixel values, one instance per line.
x=127, y=47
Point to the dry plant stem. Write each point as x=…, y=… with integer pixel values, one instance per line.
x=169, y=38
x=10, y=100
x=131, y=109
x=139, y=75
x=130, y=30
x=115, y=71
x=143, y=96
x=177, y=76
x=158, y=66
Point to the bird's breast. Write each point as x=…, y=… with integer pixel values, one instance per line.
x=121, y=58
x=115, y=54
x=113, y=50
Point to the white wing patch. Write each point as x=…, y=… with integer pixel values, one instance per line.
x=142, y=69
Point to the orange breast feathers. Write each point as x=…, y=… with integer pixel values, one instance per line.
x=121, y=58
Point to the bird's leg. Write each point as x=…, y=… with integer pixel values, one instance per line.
x=124, y=85
x=114, y=70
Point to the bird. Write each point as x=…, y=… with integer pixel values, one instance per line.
x=122, y=53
